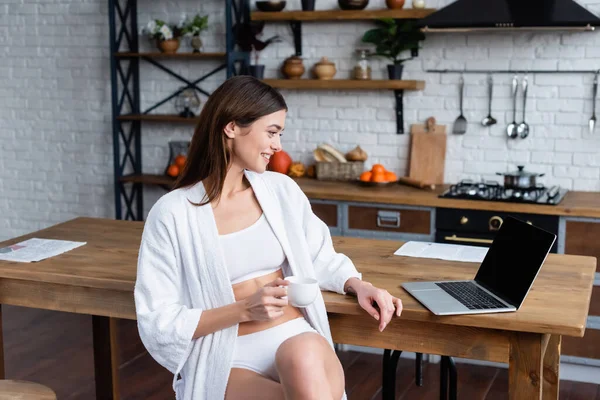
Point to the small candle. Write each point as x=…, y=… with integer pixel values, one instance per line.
x=418, y=3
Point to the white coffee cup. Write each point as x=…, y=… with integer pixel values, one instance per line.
x=301, y=291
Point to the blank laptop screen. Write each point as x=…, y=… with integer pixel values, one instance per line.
x=514, y=259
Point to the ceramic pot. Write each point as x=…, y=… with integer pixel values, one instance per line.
x=394, y=4
x=293, y=68
x=196, y=43
x=353, y=4
x=324, y=69
x=168, y=46
x=395, y=71
x=308, y=5
x=257, y=71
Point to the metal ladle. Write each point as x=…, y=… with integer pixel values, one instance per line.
x=511, y=129
x=489, y=120
x=523, y=128
x=592, y=121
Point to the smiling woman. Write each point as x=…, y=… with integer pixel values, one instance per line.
x=211, y=297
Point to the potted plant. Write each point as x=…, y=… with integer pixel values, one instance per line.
x=391, y=38
x=193, y=28
x=246, y=35
x=166, y=35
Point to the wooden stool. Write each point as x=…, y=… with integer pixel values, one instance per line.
x=23, y=390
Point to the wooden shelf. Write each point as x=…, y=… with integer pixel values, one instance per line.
x=171, y=55
x=351, y=84
x=149, y=179
x=158, y=118
x=331, y=15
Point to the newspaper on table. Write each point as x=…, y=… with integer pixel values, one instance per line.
x=33, y=250
x=444, y=251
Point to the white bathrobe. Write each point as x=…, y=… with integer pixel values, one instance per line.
x=181, y=272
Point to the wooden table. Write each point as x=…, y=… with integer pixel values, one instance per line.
x=98, y=279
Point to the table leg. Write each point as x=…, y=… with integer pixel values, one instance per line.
x=390, y=365
x=2, y=372
x=525, y=366
x=552, y=368
x=105, y=358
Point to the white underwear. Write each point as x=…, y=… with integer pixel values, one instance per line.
x=256, y=351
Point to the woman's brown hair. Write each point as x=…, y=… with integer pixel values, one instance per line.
x=240, y=99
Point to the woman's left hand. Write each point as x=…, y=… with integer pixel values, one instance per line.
x=368, y=294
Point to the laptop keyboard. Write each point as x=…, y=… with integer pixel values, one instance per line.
x=470, y=295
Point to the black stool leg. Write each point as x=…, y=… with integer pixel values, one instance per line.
x=444, y=378
x=419, y=369
x=390, y=364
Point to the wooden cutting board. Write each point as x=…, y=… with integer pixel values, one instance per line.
x=427, y=152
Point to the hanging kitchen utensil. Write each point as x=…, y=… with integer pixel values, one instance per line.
x=520, y=179
x=592, y=121
x=489, y=120
x=460, y=125
x=523, y=128
x=511, y=129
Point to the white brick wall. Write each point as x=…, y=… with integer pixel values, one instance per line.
x=56, y=135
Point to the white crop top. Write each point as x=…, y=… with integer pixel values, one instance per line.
x=252, y=251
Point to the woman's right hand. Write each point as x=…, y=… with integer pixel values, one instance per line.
x=266, y=303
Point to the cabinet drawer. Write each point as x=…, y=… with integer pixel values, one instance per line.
x=581, y=238
x=588, y=346
x=328, y=213
x=389, y=219
x=595, y=302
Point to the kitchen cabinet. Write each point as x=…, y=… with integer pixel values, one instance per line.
x=389, y=219
x=582, y=237
x=329, y=212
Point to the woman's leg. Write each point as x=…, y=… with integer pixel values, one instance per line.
x=248, y=385
x=309, y=368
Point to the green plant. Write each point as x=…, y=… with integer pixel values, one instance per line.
x=392, y=37
x=160, y=30
x=246, y=36
x=196, y=25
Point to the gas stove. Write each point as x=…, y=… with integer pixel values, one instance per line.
x=494, y=191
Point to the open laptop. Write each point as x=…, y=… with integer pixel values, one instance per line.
x=503, y=280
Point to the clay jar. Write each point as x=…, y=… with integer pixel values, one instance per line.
x=394, y=4
x=324, y=69
x=293, y=68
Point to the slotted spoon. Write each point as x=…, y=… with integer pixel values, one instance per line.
x=460, y=125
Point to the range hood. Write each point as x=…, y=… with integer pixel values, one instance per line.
x=499, y=15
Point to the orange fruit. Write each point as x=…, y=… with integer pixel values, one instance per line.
x=180, y=160
x=366, y=176
x=390, y=176
x=378, y=177
x=173, y=170
x=377, y=168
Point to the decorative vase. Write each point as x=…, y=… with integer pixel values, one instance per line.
x=168, y=46
x=257, y=71
x=394, y=4
x=395, y=71
x=324, y=69
x=293, y=68
x=353, y=4
x=196, y=43
x=308, y=5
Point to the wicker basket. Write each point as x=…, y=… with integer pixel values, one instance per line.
x=338, y=171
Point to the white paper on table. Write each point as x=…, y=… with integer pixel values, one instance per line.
x=444, y=251
x=33, y=250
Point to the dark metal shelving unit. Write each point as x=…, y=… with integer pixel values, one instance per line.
x=127, y=116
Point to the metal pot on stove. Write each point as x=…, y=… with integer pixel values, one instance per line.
x=520, y=179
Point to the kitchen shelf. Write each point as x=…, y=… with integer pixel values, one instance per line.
x=351, y=84
x=149, y=179
x=157, y=118
x=171, y=55
x=333, y=15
